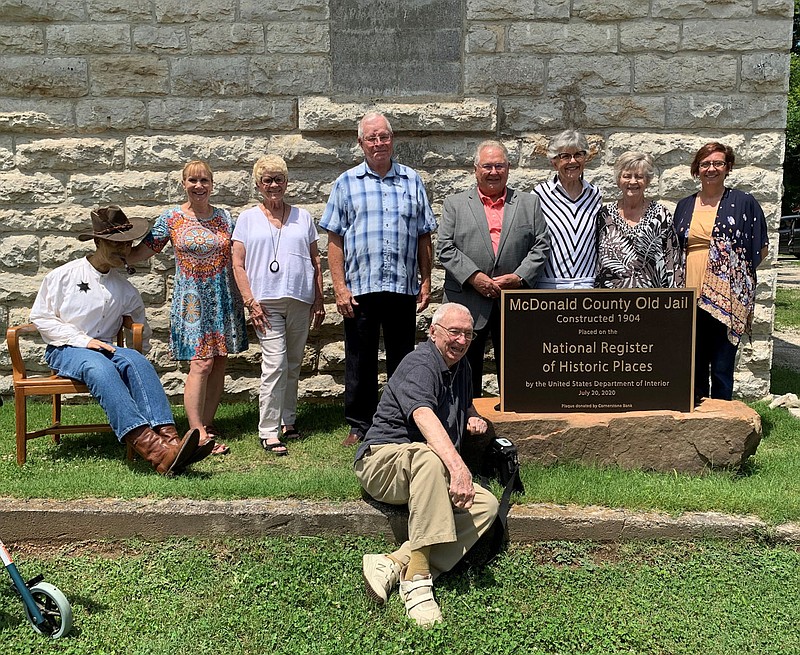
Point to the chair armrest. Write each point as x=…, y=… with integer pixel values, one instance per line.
x=137, y=331
x=19, y=372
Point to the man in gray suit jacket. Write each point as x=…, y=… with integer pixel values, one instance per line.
x=490, y=238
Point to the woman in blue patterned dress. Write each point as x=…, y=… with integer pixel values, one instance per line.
x=207, y=316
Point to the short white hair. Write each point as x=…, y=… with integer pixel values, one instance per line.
x=445, y=308
x=489, y=143
x=566, y=139
x=368, y=117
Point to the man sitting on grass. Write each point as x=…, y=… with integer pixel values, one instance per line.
x=411, y=455
x=78, y=311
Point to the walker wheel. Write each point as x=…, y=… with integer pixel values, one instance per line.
x=55, y=609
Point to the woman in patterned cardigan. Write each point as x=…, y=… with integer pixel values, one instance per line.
x=723, y=238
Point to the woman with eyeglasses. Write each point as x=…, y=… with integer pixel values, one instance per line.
x=636, y=242
x=570, y=205
x=207, y=316
x=723, y=238
x=277, y=268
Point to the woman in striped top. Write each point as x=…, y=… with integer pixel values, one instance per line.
x=570, y=205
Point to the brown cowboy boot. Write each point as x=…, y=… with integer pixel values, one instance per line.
x=170, y=433
x=159, y=451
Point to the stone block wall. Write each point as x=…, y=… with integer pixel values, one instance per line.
x=103, y=101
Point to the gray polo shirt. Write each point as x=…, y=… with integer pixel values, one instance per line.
x=421, y=380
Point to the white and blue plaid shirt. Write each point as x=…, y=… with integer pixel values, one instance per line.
x=380, y=221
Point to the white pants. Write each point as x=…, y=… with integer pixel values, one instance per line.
x=282, y=348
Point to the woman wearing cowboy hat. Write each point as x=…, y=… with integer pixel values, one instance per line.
x=78, y=311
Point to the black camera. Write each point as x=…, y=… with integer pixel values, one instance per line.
x=502, y=463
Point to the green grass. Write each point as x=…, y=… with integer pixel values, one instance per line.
x=784, y=380
x=297, y=596
x=787, y=309
x=95, y=465
x=319, y=468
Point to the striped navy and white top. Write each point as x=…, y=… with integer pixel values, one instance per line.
x=573, y=230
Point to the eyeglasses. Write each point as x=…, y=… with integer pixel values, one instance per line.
x=269, y=181
x=498, y=167
x=378, y=138
x=716, y=163
x=566, y=156
x=454, y=333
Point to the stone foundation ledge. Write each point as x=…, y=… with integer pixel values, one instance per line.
x=53, y=521
x=717, y=434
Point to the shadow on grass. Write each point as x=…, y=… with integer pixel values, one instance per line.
x=747, y=470
x=320, y=417
x=73, y=447
x=240, y=420
x=462, y=579
x=768, y=424
x=784, y=380
x=88, y=603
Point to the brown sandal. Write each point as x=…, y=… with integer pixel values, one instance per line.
x=219, y=447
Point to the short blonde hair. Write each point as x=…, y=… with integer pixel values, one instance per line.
x=269, y=164
x=632, y=160
x=196, y=164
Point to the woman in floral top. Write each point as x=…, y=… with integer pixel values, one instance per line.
x=723, y=237
x=636, y=241
x=207, y=316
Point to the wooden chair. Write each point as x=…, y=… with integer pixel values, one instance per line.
x=52, y=385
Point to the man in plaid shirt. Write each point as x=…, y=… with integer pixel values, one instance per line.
x=379, y=224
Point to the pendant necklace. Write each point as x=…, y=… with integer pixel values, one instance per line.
x=274, y=265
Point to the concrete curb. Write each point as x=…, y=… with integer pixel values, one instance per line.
x=109, y=519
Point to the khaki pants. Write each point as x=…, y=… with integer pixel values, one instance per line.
x=412, y=473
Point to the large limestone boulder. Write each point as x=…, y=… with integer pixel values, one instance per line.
x=718, y=434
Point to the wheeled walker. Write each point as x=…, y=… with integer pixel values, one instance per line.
x=47, y=609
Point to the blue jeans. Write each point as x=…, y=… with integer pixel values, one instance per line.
x=714, y=357
x=124, y=383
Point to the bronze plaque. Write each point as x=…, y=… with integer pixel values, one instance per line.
x=597, y=350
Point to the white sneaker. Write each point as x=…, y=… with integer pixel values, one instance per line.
x=381, y=575
x=417, y=594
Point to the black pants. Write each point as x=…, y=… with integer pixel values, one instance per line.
x=476, y=353
x=395, y=313
x=714, y=356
